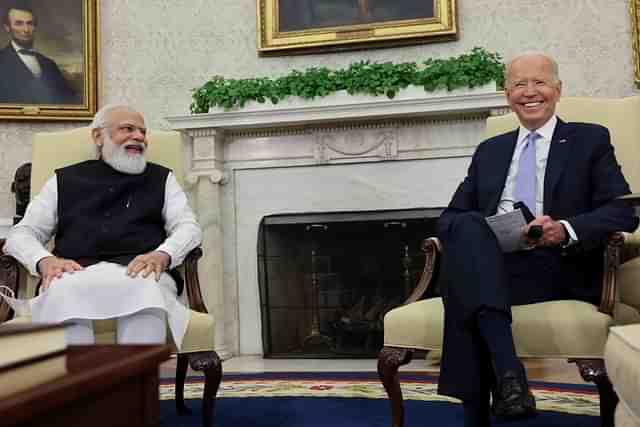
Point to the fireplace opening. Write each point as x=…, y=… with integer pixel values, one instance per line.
x=326, y=280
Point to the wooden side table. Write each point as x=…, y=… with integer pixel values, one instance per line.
x=106, y=385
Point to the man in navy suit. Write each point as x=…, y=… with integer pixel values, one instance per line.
x=28, y=77
x=568, y=176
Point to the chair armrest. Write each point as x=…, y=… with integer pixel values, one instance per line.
x=192, y=283
x=10, y=270
x=631, y=247
x=432, y=250
x=612, y=259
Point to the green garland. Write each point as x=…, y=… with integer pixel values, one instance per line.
x=476, y=68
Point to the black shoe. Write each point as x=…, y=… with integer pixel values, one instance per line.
x=512, y=399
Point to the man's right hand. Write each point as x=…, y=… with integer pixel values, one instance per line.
x=52, y=267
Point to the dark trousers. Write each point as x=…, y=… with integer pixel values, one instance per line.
x=477, y=275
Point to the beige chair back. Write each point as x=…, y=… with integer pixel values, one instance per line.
x=621, y=116
x=53, y=150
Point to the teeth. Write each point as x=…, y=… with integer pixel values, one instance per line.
x=532, y=104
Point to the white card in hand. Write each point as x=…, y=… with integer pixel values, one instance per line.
x=508, y=229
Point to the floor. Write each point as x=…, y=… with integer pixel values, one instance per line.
x=538, y=370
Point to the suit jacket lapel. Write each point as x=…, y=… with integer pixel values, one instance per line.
x=558, y=156
x=20, y=67
x=501, y=162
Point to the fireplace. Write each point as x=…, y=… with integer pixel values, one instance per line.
x=326, y=280
x=248, y=170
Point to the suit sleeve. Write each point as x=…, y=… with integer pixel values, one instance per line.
x=466, y=196
x=607, y=183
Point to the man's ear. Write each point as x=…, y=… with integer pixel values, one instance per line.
x=96, y=135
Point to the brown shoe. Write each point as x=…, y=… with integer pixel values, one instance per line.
x=512, y=399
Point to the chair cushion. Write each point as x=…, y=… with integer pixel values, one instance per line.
x=165, y=148
x=622, y=353
x=624, y=417
x=198, y=337
x=562, y=329
x=627, y=280
x=200, y=333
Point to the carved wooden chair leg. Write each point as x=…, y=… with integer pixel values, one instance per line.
x=181, y=374
x=208, y=362
x=593, y=370
x=389, y=360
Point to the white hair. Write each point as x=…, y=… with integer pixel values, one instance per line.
x=100, y=121
x=554, y=65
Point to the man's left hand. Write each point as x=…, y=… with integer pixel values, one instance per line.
x=152, y=262
x=553, y=232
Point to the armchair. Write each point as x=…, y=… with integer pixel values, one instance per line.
x=54, y=150
x=572, y=330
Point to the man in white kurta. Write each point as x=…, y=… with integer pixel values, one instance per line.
x=109, y=281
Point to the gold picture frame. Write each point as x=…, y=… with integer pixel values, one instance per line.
x=59, y=79
x=287, y=27
x=634, y=8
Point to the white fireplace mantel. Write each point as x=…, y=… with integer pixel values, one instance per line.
x=409, y=102
x=406, y=152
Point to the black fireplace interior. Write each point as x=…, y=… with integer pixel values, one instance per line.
x=326, y=280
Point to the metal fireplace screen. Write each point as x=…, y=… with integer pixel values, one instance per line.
x=326, y=280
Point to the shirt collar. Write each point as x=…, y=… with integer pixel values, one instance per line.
x=546, y=130
x=17, y=47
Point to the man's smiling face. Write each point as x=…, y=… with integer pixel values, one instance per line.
x=123, y=141
x=532, y=90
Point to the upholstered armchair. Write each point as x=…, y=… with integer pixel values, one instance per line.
x=571, y=330
x=54, y=150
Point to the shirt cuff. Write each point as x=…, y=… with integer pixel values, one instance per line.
x=172, y=258
x=573, y=237
x=33, y=267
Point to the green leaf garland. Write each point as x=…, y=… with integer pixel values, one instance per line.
x=473, y=69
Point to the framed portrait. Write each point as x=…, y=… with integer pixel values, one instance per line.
x=306, y=26
x=49, y=59
x=635, y=26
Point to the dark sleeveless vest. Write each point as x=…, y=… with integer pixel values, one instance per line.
x=106, y=215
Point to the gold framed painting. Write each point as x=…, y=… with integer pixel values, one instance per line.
x=287, y=27
x=635, y=26
x=49, y=59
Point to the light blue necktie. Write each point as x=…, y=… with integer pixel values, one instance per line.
x=525, y=190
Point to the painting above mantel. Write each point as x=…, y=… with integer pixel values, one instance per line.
x=289, y=27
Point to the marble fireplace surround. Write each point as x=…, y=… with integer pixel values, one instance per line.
x=341, y=153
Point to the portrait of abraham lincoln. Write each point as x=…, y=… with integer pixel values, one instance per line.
x=48, y=58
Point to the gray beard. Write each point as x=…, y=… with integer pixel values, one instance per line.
x=117, y=157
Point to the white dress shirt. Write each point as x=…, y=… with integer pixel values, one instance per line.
x=103, y=290
x=543, y=144
x=26, y=241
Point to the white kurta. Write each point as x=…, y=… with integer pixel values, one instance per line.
x=104, y=290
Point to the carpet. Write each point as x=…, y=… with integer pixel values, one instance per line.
x=357, y=399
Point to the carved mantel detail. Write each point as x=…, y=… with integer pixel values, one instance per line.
x=361, y=144
x=216, y=176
